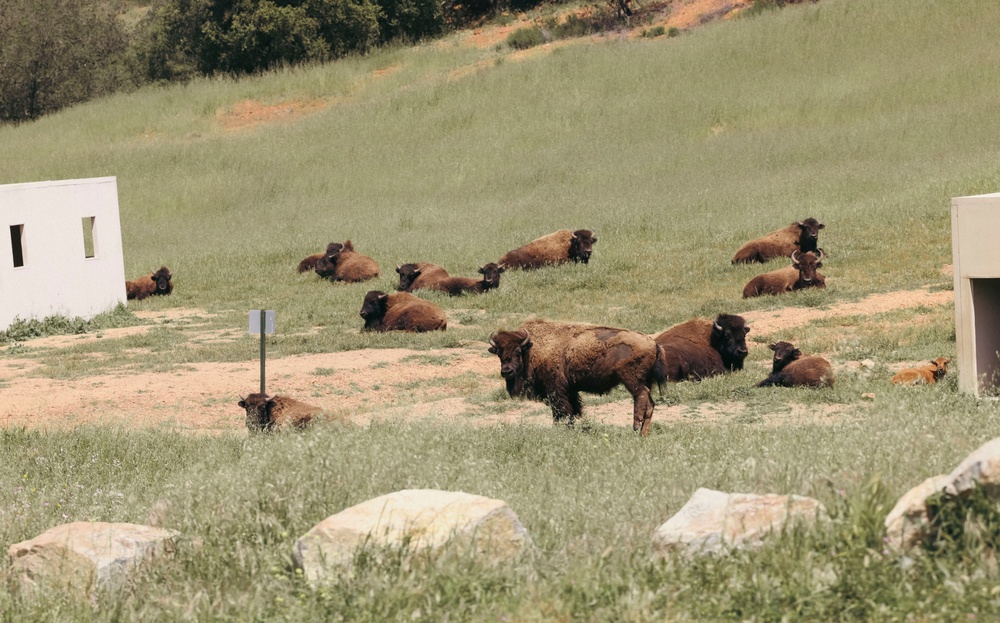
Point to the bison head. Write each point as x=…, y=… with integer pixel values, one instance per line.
x=581, y=245
x=512, y=348
x=408, y=273
x=326, y=267
x=491, y=275
x=162, y=280
x=373, y=308
x=784, y=354
x=809, y=234
x=940, y=367
x=334, y=247
x=729, y=337
x=807, y=263
x=258, y=408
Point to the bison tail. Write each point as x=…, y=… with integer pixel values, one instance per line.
x=660, y=369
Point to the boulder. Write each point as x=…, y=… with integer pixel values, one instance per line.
x=422, y=520
x=979, y=469
x=907, y=522
x=713, y=521
x=85, y=557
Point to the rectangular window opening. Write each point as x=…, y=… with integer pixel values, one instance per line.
x=986, y=334
x=89, y=245
x=17, y=244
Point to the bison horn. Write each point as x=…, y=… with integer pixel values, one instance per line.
x=821, y=254
x=493, y=340
x=716, y=326
x=794, y=258
x=527, y=339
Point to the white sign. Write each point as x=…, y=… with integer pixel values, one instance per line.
x=255, y=321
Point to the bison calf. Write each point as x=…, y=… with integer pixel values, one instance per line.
x=554, y=362
x=931, y=373
x=420, y=275
x=401, y=311
x=800, y=236
x=791, y=369
x=555, y=248
x=264, y=413
x=310, y=262
x=456, y=286
x=347, y=265
x=156, y=283
x=801, y=274
x=698, y=348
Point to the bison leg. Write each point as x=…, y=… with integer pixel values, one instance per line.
x=642, y=410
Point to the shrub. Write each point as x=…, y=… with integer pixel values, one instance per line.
x=56, y=53
x=655, y=31
x=524, y=38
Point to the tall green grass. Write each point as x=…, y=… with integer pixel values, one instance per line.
x=868, y=115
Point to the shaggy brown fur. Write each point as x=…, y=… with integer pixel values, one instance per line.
x=701, y=348
x=456, y=286
x=310, y=262
x=790, y=369
x=800, y=236
x=156, y=283
x=555, y=248
x=555, y=361
x=801, y=274
x=265, y=414
x=420, y=275
x=401, y=311
x=931, y=373
x=348, y=266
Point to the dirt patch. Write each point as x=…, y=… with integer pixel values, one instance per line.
x=690, y=13
x=250, y=113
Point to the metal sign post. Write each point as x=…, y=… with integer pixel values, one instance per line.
x=262, y=321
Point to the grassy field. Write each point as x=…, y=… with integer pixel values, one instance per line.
x=867, y=115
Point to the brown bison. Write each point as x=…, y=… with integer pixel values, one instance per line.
x=456, y=286
x=701, y=348
x=264, y=413
x=801, y=274
x=556, y=248
x=401, y=311
x=791, y=369
x=420, y=275
x=801, y=236
x=310, y=262
x=156, y=283
x=554, y=362
x=931, y=373
x=347, y=265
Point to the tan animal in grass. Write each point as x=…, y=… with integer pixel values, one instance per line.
x=266, y=413
x=401, y=311
x=310, y=262
x=790, y=368
x=156, y=283
x=800, y=236
x=931, y=373
x=801, y=274
x=347, y=265
x=419, y=275
x=552, y=249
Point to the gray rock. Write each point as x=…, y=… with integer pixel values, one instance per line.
x=425, y=520
x=907, y=522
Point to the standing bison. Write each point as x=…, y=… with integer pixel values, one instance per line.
x=347, y=265
x=790, y=369
x=401, y=311
x=556, y=248
x=156, y=283
x=554, y=362
x=419, y=275
x=800, y=236
x=265, y=413
x=801, y=274
x=700, y=348
x=456, y=286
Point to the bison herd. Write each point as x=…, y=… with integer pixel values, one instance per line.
x=555, y=362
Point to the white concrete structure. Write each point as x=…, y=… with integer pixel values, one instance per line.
x=975, y=232
x=60, y=249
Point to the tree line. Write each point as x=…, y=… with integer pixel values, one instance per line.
x=55, y=53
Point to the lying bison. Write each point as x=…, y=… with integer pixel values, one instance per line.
x=931, y=373
x=790, y=369
x=265, y=413
x=801, y=274
x=801, y=236
x=556, y=248
x=401, y=311
x=156, y=283
x=347, y=265
x=700, y=348
x=554, y=362
x=311, y=261
x=419, y=275
x=456, y=286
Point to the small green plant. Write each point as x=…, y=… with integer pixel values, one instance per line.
x=655, y=31
x=21, y=330
x=524, y=38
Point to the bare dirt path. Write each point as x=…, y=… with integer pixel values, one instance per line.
x=456, y=384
